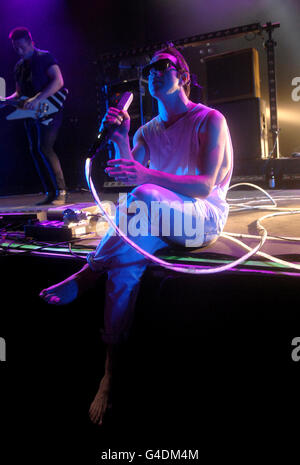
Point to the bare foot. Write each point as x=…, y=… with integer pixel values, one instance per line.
x=68, y=290
x=101, y=403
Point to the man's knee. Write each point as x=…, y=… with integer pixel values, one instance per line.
x=147, y=193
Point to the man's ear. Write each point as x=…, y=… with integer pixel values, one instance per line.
x=185, y=78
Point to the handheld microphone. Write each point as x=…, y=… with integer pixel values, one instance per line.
x=103, y=135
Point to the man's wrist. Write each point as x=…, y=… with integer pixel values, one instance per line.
x=122, y=147
x=151, y=178
x=121, y=140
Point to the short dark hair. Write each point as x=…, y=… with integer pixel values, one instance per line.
x=182, y=65
x=20, y=33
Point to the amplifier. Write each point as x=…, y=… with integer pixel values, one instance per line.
x=247, y=124
x=232, y=76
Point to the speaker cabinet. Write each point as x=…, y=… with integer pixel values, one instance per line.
x=232, y=76
x=246, y=120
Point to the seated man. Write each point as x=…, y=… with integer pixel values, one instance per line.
x=190, y=155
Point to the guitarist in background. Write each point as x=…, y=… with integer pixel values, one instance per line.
x=38, y=77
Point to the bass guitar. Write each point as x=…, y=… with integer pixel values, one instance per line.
x=46, y=107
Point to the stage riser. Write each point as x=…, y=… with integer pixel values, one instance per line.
x=284, y=168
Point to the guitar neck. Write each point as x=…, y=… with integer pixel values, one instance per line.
x=61, y=95
x=15, y=102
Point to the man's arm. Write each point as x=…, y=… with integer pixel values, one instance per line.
x=140, y=151
x=16, y=94
x=55, y=83
x=212, y=142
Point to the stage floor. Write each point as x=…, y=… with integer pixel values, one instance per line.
x=242, y=220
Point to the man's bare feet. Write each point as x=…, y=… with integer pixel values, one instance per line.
x=101, y=402
x=68, y=290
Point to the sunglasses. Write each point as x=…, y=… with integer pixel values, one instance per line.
x=159, y=65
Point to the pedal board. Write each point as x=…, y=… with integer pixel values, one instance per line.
x=55, y=231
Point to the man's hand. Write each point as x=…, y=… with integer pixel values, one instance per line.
x=128, y=171
x=118, y=121
x=32, y=103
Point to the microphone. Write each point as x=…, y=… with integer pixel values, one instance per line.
x=123, y=104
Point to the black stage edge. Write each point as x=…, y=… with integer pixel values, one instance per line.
x=205, y=356
x=286, y=170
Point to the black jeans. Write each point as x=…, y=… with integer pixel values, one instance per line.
x=41, y=140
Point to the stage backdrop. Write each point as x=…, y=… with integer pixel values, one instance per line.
x=77, y=33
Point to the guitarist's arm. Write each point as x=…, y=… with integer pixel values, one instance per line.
x=16, y=94
x=55, y=83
